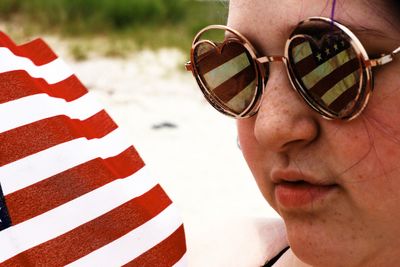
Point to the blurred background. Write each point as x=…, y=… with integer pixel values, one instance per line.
x=131, y=54
x=121, y=25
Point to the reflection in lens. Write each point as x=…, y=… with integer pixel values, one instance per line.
x=228, y=73
x=328, y=70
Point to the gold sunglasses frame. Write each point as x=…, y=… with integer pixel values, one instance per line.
x=366, y=77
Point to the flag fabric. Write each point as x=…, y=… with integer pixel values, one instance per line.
x=329, y=69
x=73, y=190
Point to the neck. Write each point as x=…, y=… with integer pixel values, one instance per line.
x=386, y=258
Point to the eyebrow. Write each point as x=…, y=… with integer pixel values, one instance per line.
x=359, y=31
x=367, y=31
x=373, y=36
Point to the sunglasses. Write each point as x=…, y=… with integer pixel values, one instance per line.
x=326, y=64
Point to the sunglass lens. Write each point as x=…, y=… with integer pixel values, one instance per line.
x=227, y=72
x=326, y=67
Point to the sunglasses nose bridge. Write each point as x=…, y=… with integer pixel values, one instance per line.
x=268, y=59
x=263, y=61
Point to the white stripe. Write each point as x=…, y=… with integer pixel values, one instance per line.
x=301, y=51
x=340, y=87
x=183, y=262
x=34, y=168
x=53, y=72
x=70, y=215
x=41, y=106
x=327, y=68
x=241, y=101
x=135, y=243
x=224, y=72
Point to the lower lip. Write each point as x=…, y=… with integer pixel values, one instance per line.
x=295, y=195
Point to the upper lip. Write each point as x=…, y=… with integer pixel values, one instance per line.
x=293, y=176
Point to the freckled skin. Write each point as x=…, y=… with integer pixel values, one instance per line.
x=359, y=224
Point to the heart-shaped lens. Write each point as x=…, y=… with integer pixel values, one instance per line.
x=327, y=69
x=228, y=74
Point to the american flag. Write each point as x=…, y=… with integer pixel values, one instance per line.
x=330, y=70
x=73, y=190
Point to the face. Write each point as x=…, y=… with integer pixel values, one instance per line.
x=336, y=184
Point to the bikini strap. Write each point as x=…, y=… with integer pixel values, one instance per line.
x=271, y=262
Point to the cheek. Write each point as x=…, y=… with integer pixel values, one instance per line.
x=355, y=151
x=248, y=143
x=381, y=121
x=373, y=182
x=254, y=155
x=367, y=160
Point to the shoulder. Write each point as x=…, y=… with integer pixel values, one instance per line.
x=235, y=241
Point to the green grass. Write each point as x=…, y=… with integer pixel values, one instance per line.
x=121, y=25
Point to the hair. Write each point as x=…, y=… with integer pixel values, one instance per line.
x=395, y=4
x=390, y=6
x=390, y=9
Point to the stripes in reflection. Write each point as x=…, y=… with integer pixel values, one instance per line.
x=229, y=75
x=331, y=72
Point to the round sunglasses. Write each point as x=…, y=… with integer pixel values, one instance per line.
x=326, y=64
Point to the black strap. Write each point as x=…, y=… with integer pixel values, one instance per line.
x=5, y=220
x=271, y=262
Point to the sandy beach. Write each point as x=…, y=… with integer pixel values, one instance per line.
x=191, y=149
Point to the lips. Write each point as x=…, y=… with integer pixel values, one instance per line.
x=294, y=190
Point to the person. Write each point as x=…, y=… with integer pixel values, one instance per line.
x=315, y=88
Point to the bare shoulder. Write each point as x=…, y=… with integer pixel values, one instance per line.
x=244, y=241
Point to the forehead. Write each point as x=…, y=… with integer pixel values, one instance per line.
x=271, y=22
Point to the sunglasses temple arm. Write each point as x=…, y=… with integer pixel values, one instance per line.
x=188, y=66
x=384, y=59
x=261, y=60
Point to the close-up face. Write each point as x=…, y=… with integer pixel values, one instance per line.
x=335, y=183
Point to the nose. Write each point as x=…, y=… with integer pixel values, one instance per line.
x=284, y=122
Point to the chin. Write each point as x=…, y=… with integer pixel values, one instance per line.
x=313, y=243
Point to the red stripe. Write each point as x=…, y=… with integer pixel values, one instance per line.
x=305, y=66
x=166, y=253
x=236, y=84
x=213, y=59
x=40, y=135
x=18, y=84
x=345, y=99
x=296, y=41
x=50, y=193
x=36, y=50
x=335, y=76
x=96, y=233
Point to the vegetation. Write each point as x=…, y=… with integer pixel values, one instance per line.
x=120, y=24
